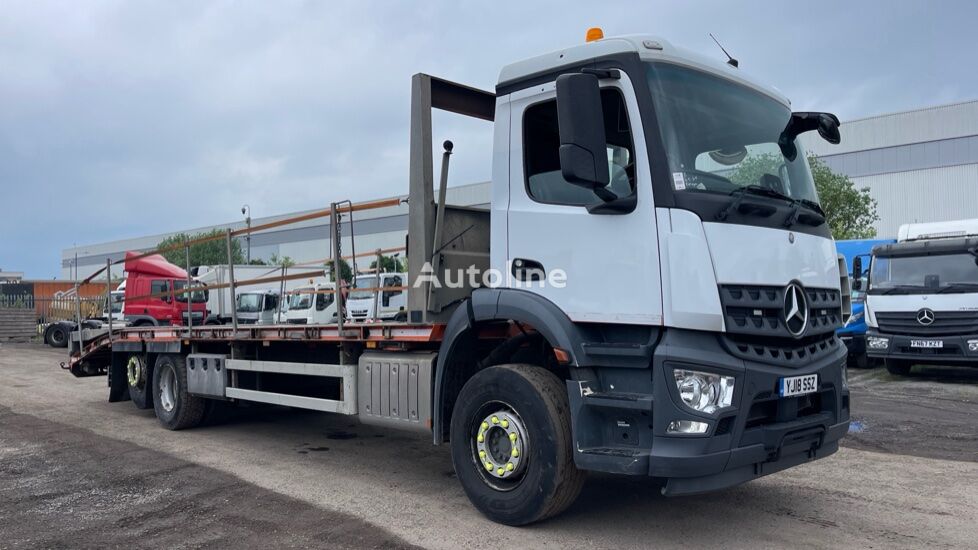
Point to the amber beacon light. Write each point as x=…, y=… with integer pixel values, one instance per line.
x=594, y=33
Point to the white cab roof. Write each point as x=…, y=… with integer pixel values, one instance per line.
x=938, y=230
x=649, y=48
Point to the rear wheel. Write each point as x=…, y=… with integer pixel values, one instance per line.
x=511, y=444
x=137, y=376
x=175, y=408
x=57, y=336
x=899, y=367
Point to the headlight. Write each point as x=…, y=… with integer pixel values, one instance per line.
x=703, y=391
x=877, y=342
x=855, y=318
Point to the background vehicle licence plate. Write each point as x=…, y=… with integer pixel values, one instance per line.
x=927, y=343
x=798, y=385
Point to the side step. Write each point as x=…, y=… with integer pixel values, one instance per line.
x=347, y=404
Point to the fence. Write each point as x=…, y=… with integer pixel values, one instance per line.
x=49, y=310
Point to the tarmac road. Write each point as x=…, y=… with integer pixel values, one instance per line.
x=76, y=471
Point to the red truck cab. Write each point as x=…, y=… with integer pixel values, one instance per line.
x=150, y=293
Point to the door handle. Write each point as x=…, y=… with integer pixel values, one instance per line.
x=527, y=270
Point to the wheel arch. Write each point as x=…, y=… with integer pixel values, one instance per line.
x=457, y=353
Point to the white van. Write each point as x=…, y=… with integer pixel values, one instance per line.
x=367, y=302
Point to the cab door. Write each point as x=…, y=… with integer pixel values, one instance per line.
x=609, y=262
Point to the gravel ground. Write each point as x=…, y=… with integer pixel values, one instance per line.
x=78, y=471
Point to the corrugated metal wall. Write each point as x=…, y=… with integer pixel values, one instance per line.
x=929, y=124
x=939, y=194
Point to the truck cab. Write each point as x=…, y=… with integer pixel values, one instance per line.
x=258, y=307
x=719, y=361
x=377, y=296
x=312, y=305
x=922, y=297
x=156, y=293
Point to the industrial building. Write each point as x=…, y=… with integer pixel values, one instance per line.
x=919, y=165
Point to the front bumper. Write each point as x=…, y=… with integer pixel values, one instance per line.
x=760, y=434
x=954, y=350
x=855, y=343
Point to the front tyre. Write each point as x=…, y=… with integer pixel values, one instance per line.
x=511, y=444
x=57, y=336
x=175, y=408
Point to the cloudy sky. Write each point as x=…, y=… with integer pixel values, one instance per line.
x=121, y=119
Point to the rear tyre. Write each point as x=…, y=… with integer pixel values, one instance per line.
x=138, y=377
x=898, y=367
x=57, y=336
x=175, y=408
x=511, y=444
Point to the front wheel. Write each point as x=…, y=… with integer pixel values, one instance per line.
x=511, y=444
x=175, y=408
x=898, y=367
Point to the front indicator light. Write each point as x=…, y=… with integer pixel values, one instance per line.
x=877, y=342
x=704, y=392
x=972, y=345
x=687, y=427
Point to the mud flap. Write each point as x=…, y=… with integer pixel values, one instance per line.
x=118, y=385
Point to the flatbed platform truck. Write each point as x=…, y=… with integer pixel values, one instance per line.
x=716, y=363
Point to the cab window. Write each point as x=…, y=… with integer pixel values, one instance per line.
x=541, y=145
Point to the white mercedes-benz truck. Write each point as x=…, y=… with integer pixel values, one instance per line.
x=523, y=347
x=922, y=297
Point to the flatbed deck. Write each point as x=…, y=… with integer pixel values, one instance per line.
x=93, y=356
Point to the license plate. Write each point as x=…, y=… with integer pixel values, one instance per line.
x=927, y=343
x=798, y=385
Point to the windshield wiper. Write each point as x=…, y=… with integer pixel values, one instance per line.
x=899, y=289
x=742, y=192
x=951, y=287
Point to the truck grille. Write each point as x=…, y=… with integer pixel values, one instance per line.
x=945, y=323
x=759, y=310
x=784, y=352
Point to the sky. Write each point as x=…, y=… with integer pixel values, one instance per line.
x=127, y=118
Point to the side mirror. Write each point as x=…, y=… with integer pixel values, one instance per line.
x=827, y=125
x=857, y=272
x=580, y=121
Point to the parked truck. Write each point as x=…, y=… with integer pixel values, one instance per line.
x=220, y=301
x=853, y=334
x=718, y=362
x=378, y=296
x=922, y=297
x=156, y=293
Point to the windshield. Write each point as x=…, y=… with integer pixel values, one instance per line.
x=117, y=301
x=945, y=273
x=720, y=136
x=302, y=299
x=363, y=281
x=249, y=303
x=198, y=294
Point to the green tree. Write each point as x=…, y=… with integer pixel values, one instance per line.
x=850, y=211
x=212, y=252
x=346, y=272
x=284, y=261
x=390, y=264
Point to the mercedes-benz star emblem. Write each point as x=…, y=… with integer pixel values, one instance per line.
x=795, y=309
x=925, y=316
